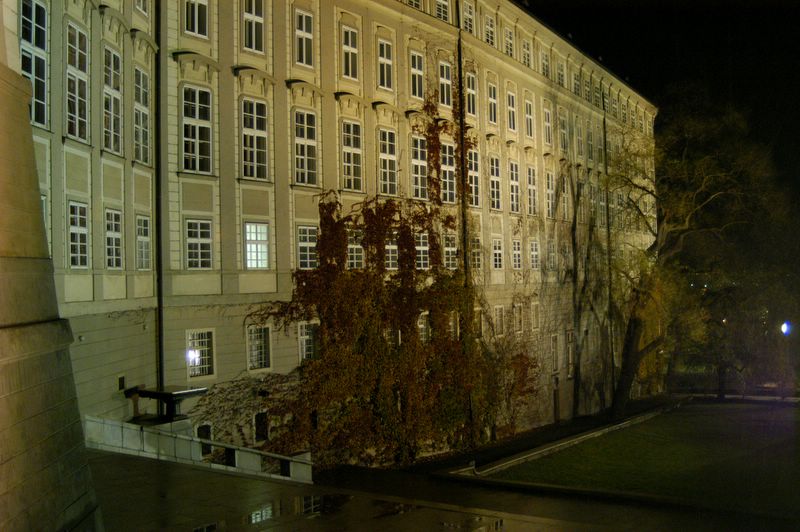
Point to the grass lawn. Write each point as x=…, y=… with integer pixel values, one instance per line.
x=727, y=456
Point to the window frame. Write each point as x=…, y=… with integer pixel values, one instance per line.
x=307, y=340
x=445, y=84
x=447, y=164
x=254, y=140
x=307, y=258
x=387, y=153
x=144, y=250
x=303, y=38
x=113, y=239
x=253, y=343
x=256, y=249
x=77, y=106
x=352, y=157
x=511, y=108
x=79, y=246
x=497, y=253
x=307, y=172
x=141, y=116
x=495, y=184
x=535, y=257
x=200, y=344
x=36, y=50
x=194, y=160
x=191, y=21
x=350, y=53
x=385, y=65
x=204, y=253
x=491, y=94
x=474, y=178
x=419, y=167
x=253, y=26
x=417, y=74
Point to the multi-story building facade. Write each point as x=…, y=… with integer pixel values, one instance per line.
x=182, y=148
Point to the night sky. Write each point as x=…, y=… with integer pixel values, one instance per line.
x=747, y=55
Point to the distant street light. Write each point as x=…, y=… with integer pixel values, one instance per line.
x=786, y=328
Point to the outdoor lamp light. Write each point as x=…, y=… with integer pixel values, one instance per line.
x=786, y=328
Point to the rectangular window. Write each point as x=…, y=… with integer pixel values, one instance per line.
x=445, y=83
x=554, y=351
x=448, y=172
x=385, y=65
x=306, y=247
x=33, y=55
x=534, y=251
x=513, y=186
x=78, y=235
x=198, y=245
x=351, y=155
x=589, y=141
x=535, y=315
x=141, y=116
x=424, y=327
x=254, y=139
x=545, y=63
x=492, y=90
x=579, y=136
x=303, y=38
x=564, y=198
x=77, y=83
x=256, y=246
x=113, y=239
x=488, y=29
x=308, y=340
x=112, y=101
x=305, y=147
x=526, y=53
x=472, y=94
x=141, y=5
x=258, y=347
x=518, y=321
x=532, y=200
x=497, y=253
x=468, y=22
x=417, y=75
x=419, y=167
x=423, y=259
x=494, y=184
x=570, y=348
x=196, y=17
x=200, y=352
x=474, y=177
x=387, y=159
x=254, y=25
x=349, y=53
x=511, y=104
x=563, y=140
x=516, y=254
x=415, y=3
x=551, y=255
x=476, y=254
x=602, y=209
x=509, y=41
x=391, y=252
x=529, y=119
x=355, y=251
x=548, y=126
x=581, y=201
x=196, y=130
x=561, y=74
x=576, y=83
x=499, y=325
x=443, y=10
x=143, y=252
x=550, y=182
x=450, y=252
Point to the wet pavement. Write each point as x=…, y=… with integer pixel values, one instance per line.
x=140, y=494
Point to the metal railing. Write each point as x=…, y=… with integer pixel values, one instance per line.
x=128, y=438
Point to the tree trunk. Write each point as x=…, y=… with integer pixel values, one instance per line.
x=630, y=363
x=576, y=382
